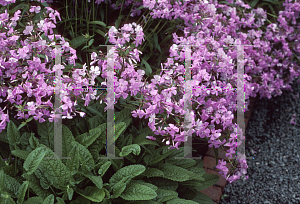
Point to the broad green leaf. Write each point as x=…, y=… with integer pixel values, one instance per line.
x=87, y=139
x=104, y=168
x=95, y=121
x=135, y=191
x=97, y=180
x=148, y=70
x=161, y=157
x=118, y=21
x=165, y=195
x=91, y=42
x=34, y=159
x=3, y=136
x=77, y=42
x=49, y=199
x=33, y=141
x=20, y=153
x=197, y=170
x=46, y=131
x=98, y=23
x=13, y=135
x=153, y=187
x=44, y=182
x=131, y=170
x=153, y=172
x=73, y=163
x=34, y=200
x=10, y=184
x=60, y=201
x=119, y=128
x=67, y=139
x=184, y=163
x=202, y=198
x=92, y=193
x=133, y=148
x=35, y=185
x=100, y=32
x=118, y=188
x=70, y=193
x=174, y=173
x=22, y=190
x=210, y=179
x=54, y=170
x=84, y=155
x=180, y=201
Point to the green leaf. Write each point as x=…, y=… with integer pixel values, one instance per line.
x=34, y=159
x=34, y=142
x=92, y=193
x=86, y=139
x=202, y=198
x=174, y=173
x=210, y=179
x=165, y=195
x=34, y=200
x=54, y=170
x=180, y=201
x=46, y=131
x=60, y=201
x=184, y=163
x=98, y=23
x=119, y=128
x=104, y=168
x=20, y=153
x=77, y=42
x=148, y=70
x=19, y=6
x=135, y=191
x=91, y=42
x=153, y=172
x=100, y=32
x=84, y=155
x=216, y=151
x=21, y=192
x=70, y=193
x=11, y=186
x=133, y=148
x=118, y=21
x=253, y=3
x=161, y=157
x=97, y=180
x=35, y=185
x=119, y=187
x=131, y=170
x=3, y=136
x=13, y=135
x=153, y=187
x=49, y=199
x=67, y=139
x=44, y=182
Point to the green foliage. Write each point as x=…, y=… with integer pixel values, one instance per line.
x=155, y=179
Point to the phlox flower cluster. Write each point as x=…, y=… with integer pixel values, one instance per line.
x=267, y=70
x=24, y=75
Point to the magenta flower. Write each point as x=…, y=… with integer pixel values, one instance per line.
x=150, y=137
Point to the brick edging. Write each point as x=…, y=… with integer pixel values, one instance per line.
x=216, y=191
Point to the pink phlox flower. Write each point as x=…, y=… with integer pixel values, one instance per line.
x=16, y=16
x=139, y=113
x=151, y=138
x=28, y=30
x=35, y=9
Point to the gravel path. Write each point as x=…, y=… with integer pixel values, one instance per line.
x=275, y=143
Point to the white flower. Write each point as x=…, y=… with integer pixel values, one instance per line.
x=95, y=70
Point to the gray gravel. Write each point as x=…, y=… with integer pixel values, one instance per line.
x=274, y=172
